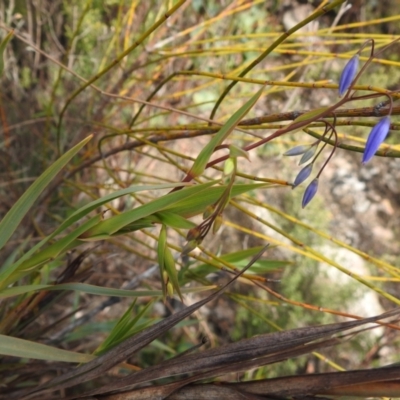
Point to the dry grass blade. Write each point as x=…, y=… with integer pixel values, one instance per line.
x=362, y=383
x=366, y=383
x=235, y=357
x=126, y=349
x=337, y=383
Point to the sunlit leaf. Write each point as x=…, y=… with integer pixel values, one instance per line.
x=174, y=220
x=197, y=204
x=92, y=289
x=239, y=259
x=16, y=347
x=10, y=222
x=86, y=209
x=117, y=222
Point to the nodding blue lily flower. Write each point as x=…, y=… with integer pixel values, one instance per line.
x=348, y=74
x=310, y=192
x=375, y=138
x=303, y=175
x=297, y=151
x=308, y=155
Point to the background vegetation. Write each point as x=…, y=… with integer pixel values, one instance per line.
x=105, y=108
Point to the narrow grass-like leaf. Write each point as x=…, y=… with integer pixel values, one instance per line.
x=118, y=329
x=204, y=156
x=117, y=222
x=15, y=347
x=124, y=328
x=16, y=271
x=161, y=245
x=92, y=289
x=174, y=220
x=29, y=257
x=86, y=209
x=186, y=203
x=239, y=259
x=194, y=205
x=242, y=254
x=265, y=266
x=170, y=268
x=12, y=219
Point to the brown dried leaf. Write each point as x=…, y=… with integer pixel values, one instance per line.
x=235, y=357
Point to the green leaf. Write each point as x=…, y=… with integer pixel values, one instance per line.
x=32, y=258
x=242, y=254
x=3, y=45
x=91, y=289
x=86, y=209
x=239, y=259
x=16, y=271
x=117, y=331
x=264, y=266
x=59, y=246
x=161, y=245
x=197, y=204
x=15, y=347
x=169, y=265
x=12, y=219
x=174, y=220
x=117, y=222
x=204, y=156
x=124, y=328
x=310, y=114
x=186, y=203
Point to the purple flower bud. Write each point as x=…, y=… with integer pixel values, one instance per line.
x=303, y=175
x=296, y=151
x=310, y=192
x=375, y=138
x=348, y=74
x=308, y=154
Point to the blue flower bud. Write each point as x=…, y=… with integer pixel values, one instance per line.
x=296, y=151
x=348, y=74
x=308, y=154
x=375, y=138
x=310, y=192
x=303, y=175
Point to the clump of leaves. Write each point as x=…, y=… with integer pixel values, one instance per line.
x=146, y=186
